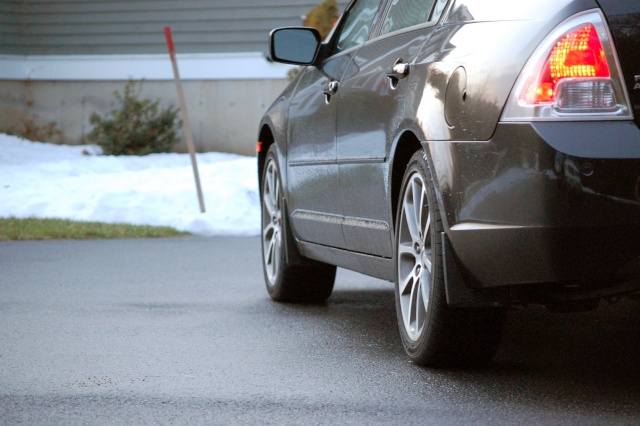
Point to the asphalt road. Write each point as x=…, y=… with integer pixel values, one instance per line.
x=181, y=331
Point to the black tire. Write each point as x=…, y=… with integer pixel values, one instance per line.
x=308, y=282
x=433, y=333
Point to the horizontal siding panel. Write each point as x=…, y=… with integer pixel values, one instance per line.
x=15, y=6
x=72, y=13
x=153, y=48
x=51, y=6
x=178, y=29
x=150, y=39
x=42, y=27
x=255, y=24
x=161, y=16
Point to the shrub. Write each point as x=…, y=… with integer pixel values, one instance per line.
x=323, y=17
x=32, y=131
x=139, y=127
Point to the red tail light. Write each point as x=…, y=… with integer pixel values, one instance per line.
x=578, y=54
x=574, y=74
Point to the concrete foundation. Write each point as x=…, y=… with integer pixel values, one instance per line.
x=224, y=114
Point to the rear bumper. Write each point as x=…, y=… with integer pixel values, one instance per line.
x=543, y=203
x=566, y=255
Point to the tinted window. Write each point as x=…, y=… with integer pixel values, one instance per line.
x=437, y=11
x=406, y=13
x=358, y=24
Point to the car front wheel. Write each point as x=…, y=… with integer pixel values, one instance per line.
x=433, y=333
x=308, y=282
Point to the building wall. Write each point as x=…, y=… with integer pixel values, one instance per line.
x=224, y=114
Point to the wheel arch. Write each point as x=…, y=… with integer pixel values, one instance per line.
x=265, y=140
x=408, y=143
x=458, y=293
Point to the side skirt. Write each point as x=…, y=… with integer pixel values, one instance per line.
x=379, y=267
x=457, y=292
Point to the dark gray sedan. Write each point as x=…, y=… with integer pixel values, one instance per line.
x=478, y=153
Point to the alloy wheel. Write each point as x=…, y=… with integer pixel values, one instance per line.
x=414, y=257
x=271, y=222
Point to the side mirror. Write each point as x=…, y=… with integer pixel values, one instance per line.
x=295, y=45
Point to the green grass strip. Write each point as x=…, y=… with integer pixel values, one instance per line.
x=13, y=229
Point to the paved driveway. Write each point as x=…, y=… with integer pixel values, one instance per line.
x=181, y=331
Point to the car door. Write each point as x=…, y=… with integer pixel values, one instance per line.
x=376, y=98
x=312, y=173
x=314, y=195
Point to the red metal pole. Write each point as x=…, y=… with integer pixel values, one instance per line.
x=185, y=119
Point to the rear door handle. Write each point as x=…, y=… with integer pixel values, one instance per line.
x=399, y=71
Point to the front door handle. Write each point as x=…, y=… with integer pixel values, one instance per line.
x=331, y=90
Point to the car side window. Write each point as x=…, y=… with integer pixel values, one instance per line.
x=406, y=13
x=438, y=9
x=358, y=24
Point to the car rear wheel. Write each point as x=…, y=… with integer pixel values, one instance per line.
x=433, y=333
x=309, y=282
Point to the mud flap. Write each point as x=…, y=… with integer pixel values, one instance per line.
x=458, y=293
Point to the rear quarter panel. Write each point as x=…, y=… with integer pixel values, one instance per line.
x=487, y=42
x=469, y=67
